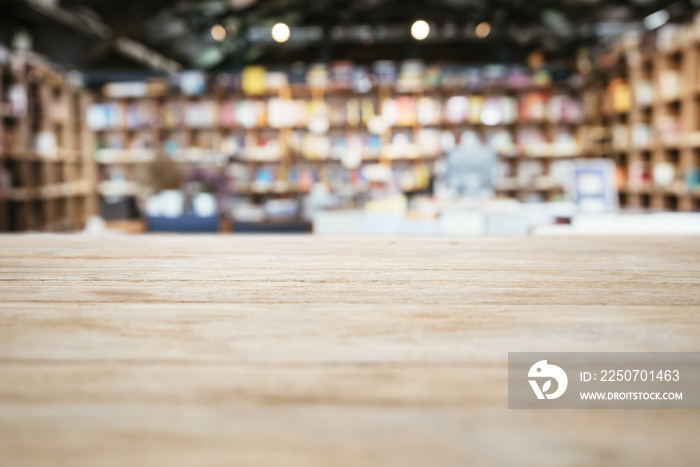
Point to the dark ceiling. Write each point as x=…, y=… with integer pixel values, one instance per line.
x=133, y=35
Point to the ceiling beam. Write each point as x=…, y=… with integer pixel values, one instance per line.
x=95, y=28
x=124, y=26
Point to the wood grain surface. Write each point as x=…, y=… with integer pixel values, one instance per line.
x=314, y=351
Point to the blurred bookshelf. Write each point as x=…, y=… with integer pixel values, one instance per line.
x=46, y=168
x=263, y=137
x=274, y=133
x=642, y=109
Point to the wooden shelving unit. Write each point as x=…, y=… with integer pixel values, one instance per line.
x=46, y=170
x=643, y=110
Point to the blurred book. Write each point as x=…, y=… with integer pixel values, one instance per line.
x=105, y=116
x=664, y=174
x=669, y=84
x=385, y=72
x=644, y=93
x=533, y=106
x=317, y=77
x=410, y=77
x=342, y=74
x=253, y=80
x=619, y=94
x=456, y=109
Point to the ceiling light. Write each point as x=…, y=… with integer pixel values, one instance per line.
x=280, y=32
x=482, y=29
x=420, y=30
x=218, y=32
x=656, y=20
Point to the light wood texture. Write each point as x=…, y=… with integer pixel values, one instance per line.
x=313, y=351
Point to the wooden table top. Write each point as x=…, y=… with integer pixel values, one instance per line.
x=313, y=351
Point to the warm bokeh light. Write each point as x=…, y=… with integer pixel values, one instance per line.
x=420, y=30
x=482, y=29
x=218, y=32
x=280, y=32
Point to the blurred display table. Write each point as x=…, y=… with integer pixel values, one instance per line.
x=329, y=351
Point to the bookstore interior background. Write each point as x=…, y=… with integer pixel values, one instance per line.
x=338, y=117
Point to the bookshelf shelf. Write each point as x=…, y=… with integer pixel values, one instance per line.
x=45, y=166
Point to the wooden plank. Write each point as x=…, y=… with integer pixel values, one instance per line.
x=315, y=351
